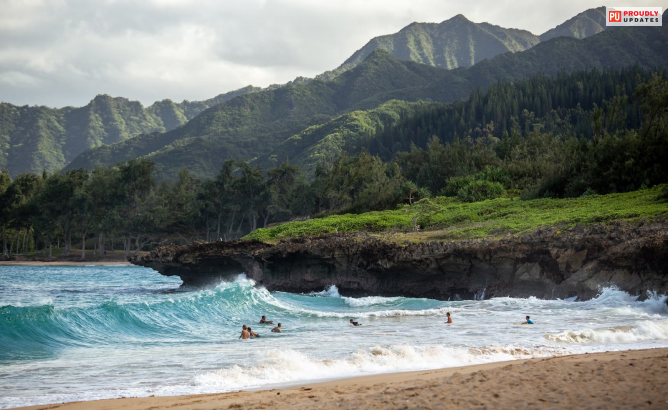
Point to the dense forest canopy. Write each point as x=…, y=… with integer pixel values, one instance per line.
x=590, y=132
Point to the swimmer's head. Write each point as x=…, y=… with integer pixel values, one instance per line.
x=528, y=317
x=245, y=327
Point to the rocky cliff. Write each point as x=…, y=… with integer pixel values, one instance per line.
x=547, y=263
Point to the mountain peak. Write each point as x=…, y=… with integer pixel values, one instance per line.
x=450, y=44
x=460, y=17
x=585, y=24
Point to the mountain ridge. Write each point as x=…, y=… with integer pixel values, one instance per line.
x=442, y=44
x=588, y=23
x=33, y=138
x=205, y=142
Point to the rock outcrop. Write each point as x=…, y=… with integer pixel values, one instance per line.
x=547, y=263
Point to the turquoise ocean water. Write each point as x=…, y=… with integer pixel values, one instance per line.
x=94, y=332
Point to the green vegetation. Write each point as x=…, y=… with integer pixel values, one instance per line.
x=585, y=24
x=448, y=218
x=254, y=126
x=257, y=124
x=37, y=138
x=251, y=125
x=458, y=42
x=319, y=142
x=454, y=43
x=571, y=136
x=525, y=169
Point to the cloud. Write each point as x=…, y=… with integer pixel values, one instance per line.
x=64, y=52
x=18, y=79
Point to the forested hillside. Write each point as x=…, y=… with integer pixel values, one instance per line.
x=556, y=104
x=37, y=138
x=585, y=24
x=252, y=126
x=583, y=134
x=457, y=42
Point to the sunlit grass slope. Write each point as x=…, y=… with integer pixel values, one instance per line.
x=447, y=218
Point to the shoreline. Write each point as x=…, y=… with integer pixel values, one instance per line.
x=620, y=379
x=62, y=263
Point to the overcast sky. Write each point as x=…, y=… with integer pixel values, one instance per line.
x=64, y=52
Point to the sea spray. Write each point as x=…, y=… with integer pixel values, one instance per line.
x=73, y=333
x=289, y=366
x=642, y=331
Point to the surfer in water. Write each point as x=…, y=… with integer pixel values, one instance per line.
x=528, y=321
x=252, y=334
x=244, y=333
x=277, y=329
x=355, y=323
x=264, y=321
x=449, y=317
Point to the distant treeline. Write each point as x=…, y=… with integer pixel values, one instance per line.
x=572, y=135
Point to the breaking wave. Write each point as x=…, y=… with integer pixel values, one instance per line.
x=645, y=330
x=290, y=366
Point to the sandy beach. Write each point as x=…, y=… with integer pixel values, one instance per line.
x=611, y=380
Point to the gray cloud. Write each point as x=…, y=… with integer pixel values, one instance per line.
x=64, y=52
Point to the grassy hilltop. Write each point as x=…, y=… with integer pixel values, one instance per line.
x=449, y=219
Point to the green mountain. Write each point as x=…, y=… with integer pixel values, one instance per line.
x=37, y=138
x=328, y=140
x=459, y=42
x=456, y=42
x=585, y=24
x=251, y=125
x=260, y=125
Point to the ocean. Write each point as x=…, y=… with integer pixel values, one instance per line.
x=71, y=333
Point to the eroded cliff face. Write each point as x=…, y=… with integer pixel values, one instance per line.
x=549, y=263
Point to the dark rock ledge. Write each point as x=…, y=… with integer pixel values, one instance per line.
x=547, y=263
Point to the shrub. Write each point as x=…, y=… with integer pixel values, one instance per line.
x=476, y=191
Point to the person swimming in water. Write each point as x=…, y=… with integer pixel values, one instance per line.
x=244, y=333
x=355, y=323
x=528, y=322
x=264, y=321
x=252, y=334
x=277, y=329
x=449, y=317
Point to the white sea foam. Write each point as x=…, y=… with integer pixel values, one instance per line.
x=369, y=301
x=380, y=313
x=286, y=366
x=330, y=292
x=644, y=330
x=169, y=337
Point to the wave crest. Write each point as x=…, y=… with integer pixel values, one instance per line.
x=645, y=330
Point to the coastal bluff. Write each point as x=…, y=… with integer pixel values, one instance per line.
x=546, y=263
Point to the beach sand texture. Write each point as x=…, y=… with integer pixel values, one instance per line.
x=612, y=380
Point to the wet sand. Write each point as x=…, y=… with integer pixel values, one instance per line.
x=611, y=380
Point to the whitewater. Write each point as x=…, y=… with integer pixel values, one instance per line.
x=95, y=332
